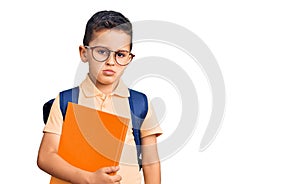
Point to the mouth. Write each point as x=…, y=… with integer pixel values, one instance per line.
x=108, y=72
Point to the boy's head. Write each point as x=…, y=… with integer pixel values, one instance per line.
x=106, y=20
x=107, y=47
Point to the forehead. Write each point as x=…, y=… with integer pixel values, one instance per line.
x=111, y=38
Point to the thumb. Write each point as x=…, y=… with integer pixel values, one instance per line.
x=111, y=169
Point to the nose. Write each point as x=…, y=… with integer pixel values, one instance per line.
x=111, y=59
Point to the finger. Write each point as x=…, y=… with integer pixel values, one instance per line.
x=116, y=178
x=111, y=169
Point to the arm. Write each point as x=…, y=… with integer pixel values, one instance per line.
x=151, y=163
x=49, y=161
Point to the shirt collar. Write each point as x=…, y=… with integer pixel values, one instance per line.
x=90, y=90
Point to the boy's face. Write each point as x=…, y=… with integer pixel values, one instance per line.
x=109, y=71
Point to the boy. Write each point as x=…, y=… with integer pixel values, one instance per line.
x=106, y=48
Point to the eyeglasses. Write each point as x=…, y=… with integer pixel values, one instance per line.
x=101, y=54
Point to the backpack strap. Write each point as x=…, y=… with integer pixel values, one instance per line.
x=139, y=107
x=70, y=95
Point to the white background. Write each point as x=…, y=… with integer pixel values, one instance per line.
x=256, y=44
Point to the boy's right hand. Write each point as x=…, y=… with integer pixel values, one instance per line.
x=105, y=175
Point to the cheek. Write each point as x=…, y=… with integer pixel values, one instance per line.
x=95, y=67
x=121, y=69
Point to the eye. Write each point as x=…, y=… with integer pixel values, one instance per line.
x=121, y=54
x=102, y=51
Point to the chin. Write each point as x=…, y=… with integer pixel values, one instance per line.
x=106, y=80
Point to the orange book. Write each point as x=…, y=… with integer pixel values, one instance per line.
x=91, y=139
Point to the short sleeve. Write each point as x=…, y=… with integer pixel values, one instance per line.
x=55, y=119
x=150, y=125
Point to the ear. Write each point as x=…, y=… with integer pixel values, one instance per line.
x=83, y=53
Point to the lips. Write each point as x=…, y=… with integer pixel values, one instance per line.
x=108, y=72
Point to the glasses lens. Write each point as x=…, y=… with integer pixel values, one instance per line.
x=123, y=57
x=101, y=53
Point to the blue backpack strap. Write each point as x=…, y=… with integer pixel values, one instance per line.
x=70, y=95
x=139, y=107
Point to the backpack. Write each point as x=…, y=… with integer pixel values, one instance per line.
x=138, y=105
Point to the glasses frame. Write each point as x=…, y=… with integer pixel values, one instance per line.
x=110, y=51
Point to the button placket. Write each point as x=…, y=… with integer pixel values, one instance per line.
x=103, y=98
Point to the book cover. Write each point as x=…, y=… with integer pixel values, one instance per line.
x=91, y=139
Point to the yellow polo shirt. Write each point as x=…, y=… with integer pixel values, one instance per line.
x=115, y=103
